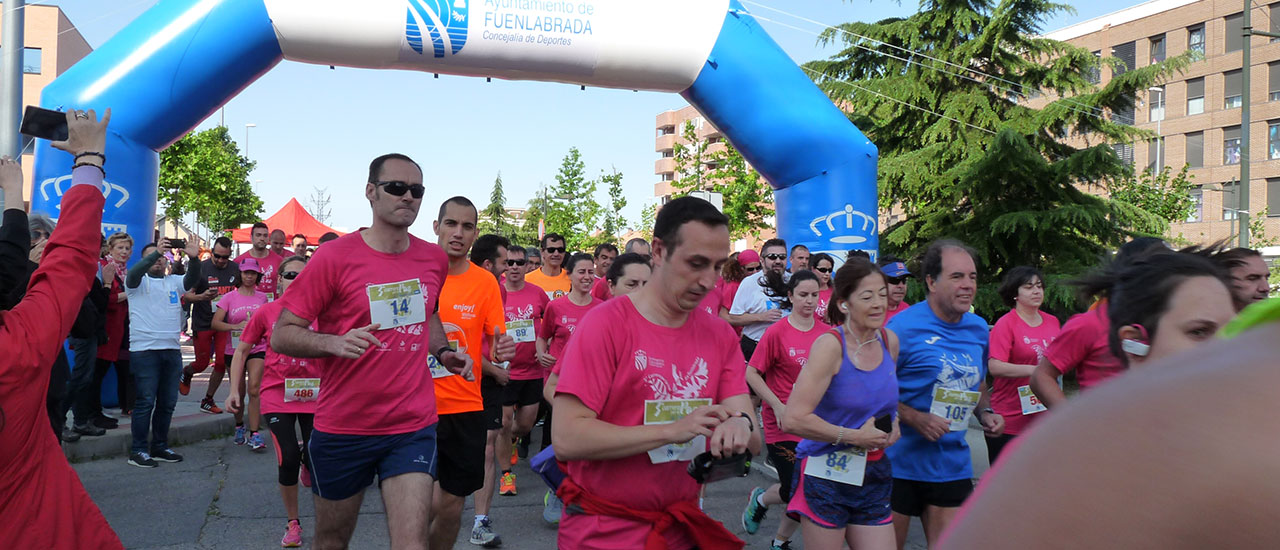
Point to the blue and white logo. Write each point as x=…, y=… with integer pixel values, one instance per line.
x=444, y=21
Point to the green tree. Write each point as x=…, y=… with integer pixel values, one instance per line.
x=205, y=174
x=747, y=198
x=493, y=219
x=1164, y=194
x=648, y=215
x=614, y=222
x=691, y=159
x=964, y=155
x=571, y=209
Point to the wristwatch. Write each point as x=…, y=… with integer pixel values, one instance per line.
x=751, y=423
x=989, y=410
x=440, y=353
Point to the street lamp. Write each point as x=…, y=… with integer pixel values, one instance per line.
x=246, y=137
x=1235, y=212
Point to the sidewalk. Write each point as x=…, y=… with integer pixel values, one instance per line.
x=189, y=424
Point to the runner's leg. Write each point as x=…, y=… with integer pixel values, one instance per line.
x=901, y=524
x=255, y=366
x=407, y=498
x=288, y=459
x=817, y=537
x=868, y=537
x=447, y=519
x=936, y=519
x=336, y=521
x=484, y=497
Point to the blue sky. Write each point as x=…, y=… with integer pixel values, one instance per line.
x=317, y=127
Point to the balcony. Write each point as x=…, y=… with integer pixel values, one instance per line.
x=667, y=118
x=664, y=165
x=665, y=143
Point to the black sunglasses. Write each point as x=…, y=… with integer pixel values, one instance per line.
x=515, y=262
x=898, y=280
x=752, y=269
x=399, y=188
x=222, y=256
x=559, y=250
x=776, y=256
x=290, y=275
x=822, y=269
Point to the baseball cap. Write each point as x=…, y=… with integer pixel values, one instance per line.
x=250, y=264
x=895, y=269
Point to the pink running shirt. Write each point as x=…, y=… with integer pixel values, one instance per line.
x=1014, y=341
x=824, y=300
x=782, y=352
x=387, y=390
x=616, y=362
x=600, y=289
x=1082, y=346
x=241, y=308
x=528, y=303
x=902, y=306
x=559, y=321
x=270, y=271
x=279, y=366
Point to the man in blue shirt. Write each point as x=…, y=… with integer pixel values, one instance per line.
x=942, y=367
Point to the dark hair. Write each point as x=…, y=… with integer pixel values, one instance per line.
x=1138, y=292
x=605, y=247
x=857, y=254
x=328, y=237
x=305, y=240
x=886, y=259
x=460, y=201
x=532, y=251
x=143, y=252
x=550, y=237
x=819, y=257
x=259, y=225
x=224, y=242
x=775, y=286
x=679, y=212
x=631, y=243
x=845, y=281
x=932, y=264
x=516, y=249
x=1236, y=257
x=375, y=167
x=1127, y=254
x=1137, y=248
x=579, y=257
x=770, y=244
x=798, y=247
x=733, y=272
x=1014, y=279
x=290, y=259
x=620, y=263
x=486, y=248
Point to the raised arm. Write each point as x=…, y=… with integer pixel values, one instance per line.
x=139, y=270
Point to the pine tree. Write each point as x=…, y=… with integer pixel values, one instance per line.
x=614, y=222
x=572, y=210
x=493, y=219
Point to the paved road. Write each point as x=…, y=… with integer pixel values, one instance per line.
x=224, y=496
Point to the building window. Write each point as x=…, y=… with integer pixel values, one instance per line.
x=1231, y=145
x=1197, y=206
x=668, y=176
x=31, y=58
x=1231, y=90
x=1195, y=149
x=1155, y=154
x=1273, y=195
x=1094, y=75
x=1125, y=152
x=1195, y=38
x=1235, y=32
x=1273, y=79
x=669, y=153
x=1273, y=11
x=1127, y=54
x=1230, y=200
x=1155, y=107
x=1195, y=96
x=1157, y=49
x=1273, y=140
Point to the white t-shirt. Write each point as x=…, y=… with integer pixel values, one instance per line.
x=155, y=313
x=752, y=299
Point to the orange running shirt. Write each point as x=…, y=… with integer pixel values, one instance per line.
x=470, y=310
x=555, y=286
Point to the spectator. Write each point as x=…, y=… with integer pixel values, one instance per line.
x=219, y=277
x=119, y=249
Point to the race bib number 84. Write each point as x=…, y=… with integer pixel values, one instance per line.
x=397, y=304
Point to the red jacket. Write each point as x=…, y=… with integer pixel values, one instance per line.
x=42, y=503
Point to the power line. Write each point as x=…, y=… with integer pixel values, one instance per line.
x=896, y=100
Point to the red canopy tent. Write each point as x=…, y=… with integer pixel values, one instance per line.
x=292, y=219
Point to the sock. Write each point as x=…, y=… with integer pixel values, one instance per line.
x=760, y=500
x=778, y=542
x=480, y=518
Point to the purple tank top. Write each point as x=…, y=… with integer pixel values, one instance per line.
x=853, y=396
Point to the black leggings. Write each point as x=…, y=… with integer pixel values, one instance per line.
x=289, y=456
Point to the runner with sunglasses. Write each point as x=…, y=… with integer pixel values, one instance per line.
x=753, y=309
x=822, y=265
x=522, y=395
x=376, y=411
x=739, y=267
x=551, y=277
x=896, y=274
x=218, y=276
x=286, y=389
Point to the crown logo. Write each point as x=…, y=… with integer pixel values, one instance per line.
x=868, y=227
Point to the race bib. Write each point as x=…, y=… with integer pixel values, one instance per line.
x=235, y=339
x=301, y=389
x=438, y=369
x=1030, y=403
x=954, y=405
x=666, y=411
x=397, y=304
x=847, y=466
x=521, y=331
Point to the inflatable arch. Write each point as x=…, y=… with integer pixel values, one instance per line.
x=183, y=59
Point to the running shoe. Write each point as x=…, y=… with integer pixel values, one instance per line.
x=70, y=436
x=184, y=387
x=142, y=460
x=507, y=487
x=482, y=535
x=292, y=535
x=240, y=436
x=304, y=475
x=207, y=405
x=551, y=508
x=256, y=443
x=754, y=514
x=166, y=455
x=786, y=545
x=88, y=429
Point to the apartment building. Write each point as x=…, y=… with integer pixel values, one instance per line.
x=1196, y=113
x=52, y=45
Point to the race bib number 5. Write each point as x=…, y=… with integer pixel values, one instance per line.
x=1030, y=403
x=666, y=411
x=847, y=466
x=397, y=304
x=954, y=405
x=301, y=389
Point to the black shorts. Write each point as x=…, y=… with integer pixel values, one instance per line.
x=910, y=497
x=491, y=392
x=461, y=437
x=782, y=455
x=748, y=346
x=259, y=355
x=522, y=393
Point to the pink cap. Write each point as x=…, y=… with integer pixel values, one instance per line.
x=748, y=257
x=250, y=264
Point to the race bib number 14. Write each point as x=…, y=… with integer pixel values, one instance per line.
x=397, y=304
x=666, y=411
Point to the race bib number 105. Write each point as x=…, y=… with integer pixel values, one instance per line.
x=397, y=304
x=954, y=405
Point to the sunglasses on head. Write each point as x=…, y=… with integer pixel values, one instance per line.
x=222, y=256
x=898, y=280
x=289, y=275
x=776, y=256
x=822, y=269
x=516, y=262
x=399, y=188
x=557, y=250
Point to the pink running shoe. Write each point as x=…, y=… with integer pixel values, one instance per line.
x=304, y=476
x=292, y=535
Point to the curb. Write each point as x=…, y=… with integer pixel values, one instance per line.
x=182, y=431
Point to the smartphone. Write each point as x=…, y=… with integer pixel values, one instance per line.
x=885, y=423
x=43, y=123
x=706, y=469
x=178, y=243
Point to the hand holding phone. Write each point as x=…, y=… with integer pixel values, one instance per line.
x=44, y=123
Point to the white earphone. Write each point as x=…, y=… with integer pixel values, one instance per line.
x=1135, y=347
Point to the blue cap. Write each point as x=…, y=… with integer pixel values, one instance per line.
x=895, y=269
